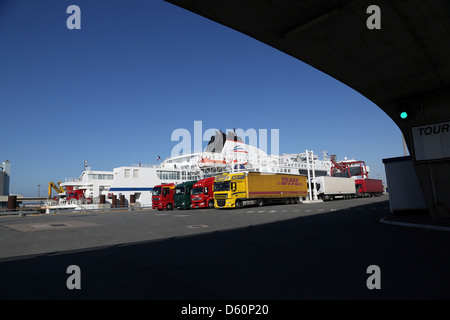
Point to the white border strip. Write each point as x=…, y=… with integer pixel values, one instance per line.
x=414, y=225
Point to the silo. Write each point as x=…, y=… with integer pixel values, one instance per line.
x=5, y=171
x=2, y=182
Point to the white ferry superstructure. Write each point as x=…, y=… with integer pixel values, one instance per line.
x=95, y=183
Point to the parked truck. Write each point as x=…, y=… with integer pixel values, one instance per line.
x=203, y=193
x=235, y=190
x=369, y=187
x=162, y=196
x=182, y=197
x=330, y=188
x=365, y=187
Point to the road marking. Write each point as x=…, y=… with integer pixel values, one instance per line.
x=261, y=211
x=334, y=209
x=273, y=211
x=309, y=210
x=198, y=226
x=320, y=209
x=250, y=211
x=296, y=210
x=161, y=214
x=182, y=215
x=283, y=210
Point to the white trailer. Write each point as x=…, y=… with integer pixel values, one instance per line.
x=330, y=188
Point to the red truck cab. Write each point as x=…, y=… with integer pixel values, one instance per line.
x=203, y=194
x=74, y=194
x=162, y=196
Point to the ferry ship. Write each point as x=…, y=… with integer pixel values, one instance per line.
x=224, y=153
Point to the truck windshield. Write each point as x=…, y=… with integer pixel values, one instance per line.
x=180, y=190
x=197, y=190
x=222, y=186
x=156, y=191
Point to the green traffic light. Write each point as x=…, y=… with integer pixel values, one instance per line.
x=403, y=115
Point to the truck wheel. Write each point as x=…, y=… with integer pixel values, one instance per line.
x=238, y=204
x=211, y=204
x=169, y=206
x=260, y=203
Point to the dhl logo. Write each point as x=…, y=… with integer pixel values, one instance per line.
x=289, y=181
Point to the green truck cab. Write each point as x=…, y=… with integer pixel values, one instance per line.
x=182, y=196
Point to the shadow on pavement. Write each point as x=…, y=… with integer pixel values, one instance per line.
x=323, y=256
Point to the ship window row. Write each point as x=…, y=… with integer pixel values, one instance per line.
x=168, y=175
x=176, y=175
x=189, y=176
x=275, y=170
x=281, y=170
x=94, y=176
x=296, y=165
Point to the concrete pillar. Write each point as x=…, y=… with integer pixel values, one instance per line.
x=12, y=203
x=433, y=175
x=132, y=198
x=122, y=201
x=102, y=199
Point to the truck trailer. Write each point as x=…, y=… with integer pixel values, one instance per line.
x=369, y=187
x=330, y=188
x=235, y=190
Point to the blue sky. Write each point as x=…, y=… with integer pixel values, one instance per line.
x=113, y=92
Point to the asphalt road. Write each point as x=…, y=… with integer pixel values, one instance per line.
x=304, y=251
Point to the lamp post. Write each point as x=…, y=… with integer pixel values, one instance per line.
x=309, y=176
x=314, y=176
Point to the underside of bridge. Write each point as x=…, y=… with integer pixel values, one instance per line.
x=402, y=66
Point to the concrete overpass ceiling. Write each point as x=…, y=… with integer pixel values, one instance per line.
x=407, y=56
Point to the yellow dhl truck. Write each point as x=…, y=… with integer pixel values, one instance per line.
x=235, y=190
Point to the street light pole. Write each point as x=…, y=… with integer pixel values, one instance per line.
x=309, y=176
x=314, y=176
